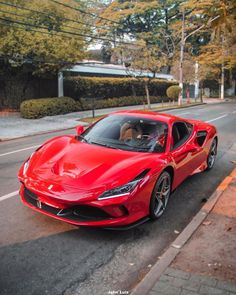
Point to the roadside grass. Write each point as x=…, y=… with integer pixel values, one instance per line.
x=91, y=120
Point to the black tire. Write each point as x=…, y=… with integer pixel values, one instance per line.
x=212, y=155
x=160, y=195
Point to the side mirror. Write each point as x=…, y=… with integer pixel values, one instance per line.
x=79, y=129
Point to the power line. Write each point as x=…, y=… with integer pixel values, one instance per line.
x=23, y=16
x=85, y=12
x=58, y=17
x=66, y=32
x=37, y=31
x=44, y=13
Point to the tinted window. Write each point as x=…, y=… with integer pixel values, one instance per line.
x=180, y=133
x=201, y=136
x=128, y=133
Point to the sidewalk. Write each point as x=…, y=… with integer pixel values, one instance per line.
x=13, y=126
x=204, y=264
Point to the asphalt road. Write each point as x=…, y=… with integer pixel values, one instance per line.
x=39, y=255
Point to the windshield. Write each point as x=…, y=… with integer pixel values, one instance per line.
x=127, y=133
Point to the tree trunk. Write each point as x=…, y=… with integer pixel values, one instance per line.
x=147, y=95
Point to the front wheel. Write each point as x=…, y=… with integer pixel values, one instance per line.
x=212, y=155
x=160, y=195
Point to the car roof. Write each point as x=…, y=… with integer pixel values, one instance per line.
x=167, y=118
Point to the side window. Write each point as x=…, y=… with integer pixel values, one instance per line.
x=190, y=127
x=201, y=136
x=180, y=133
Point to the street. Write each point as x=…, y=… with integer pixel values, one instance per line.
x=40, y=255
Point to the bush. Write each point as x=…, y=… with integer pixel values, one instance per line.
x=87, y=104
x=38, y=108
x=173, y=92
x=106, y=87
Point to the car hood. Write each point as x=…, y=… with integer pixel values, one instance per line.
x=68, y=164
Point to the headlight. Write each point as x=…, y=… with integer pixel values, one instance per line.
x=120, y=190
x=26, y=165
x=125, y=189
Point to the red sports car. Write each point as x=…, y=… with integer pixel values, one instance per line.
x=118, y=172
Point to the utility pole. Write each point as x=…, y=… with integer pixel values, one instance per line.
x=182, y=45
x=196, y=82
x=60, y=84
x=222, y=84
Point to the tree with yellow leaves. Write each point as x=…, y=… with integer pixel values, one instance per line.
x=218, y=17
x=143, y=62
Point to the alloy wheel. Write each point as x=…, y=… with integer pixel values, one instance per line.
x=161, y=195
x=212, y=155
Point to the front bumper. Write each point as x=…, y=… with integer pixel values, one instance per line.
x=80, y=214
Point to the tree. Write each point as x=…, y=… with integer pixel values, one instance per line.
x=34, y=36
x=144, y=63
x=34, y=42
x=220, y=56
x=188, y=68
x=219, y=18
x=189, y=25
x=142, y=20
x=106, y=52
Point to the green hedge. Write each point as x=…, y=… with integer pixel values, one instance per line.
x=106, y=87
x=87, y=104
x=38, y=108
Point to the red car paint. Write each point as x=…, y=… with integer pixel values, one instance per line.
x=65, y=173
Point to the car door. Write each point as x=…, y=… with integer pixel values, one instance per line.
x=184, y=152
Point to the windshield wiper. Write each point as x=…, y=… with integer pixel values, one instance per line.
x=102, y=144
x=82, y=137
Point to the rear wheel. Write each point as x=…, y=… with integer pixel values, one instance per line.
x=212, y=155
x=160, y=195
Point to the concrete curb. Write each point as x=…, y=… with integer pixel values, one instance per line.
x=56, y=130
x=174, y=249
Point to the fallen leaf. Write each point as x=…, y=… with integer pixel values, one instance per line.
x=176, y=246
x=206, y=222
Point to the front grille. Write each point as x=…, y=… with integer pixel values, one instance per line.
x=32, y=198
x=88, y=212
x=76, y=213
